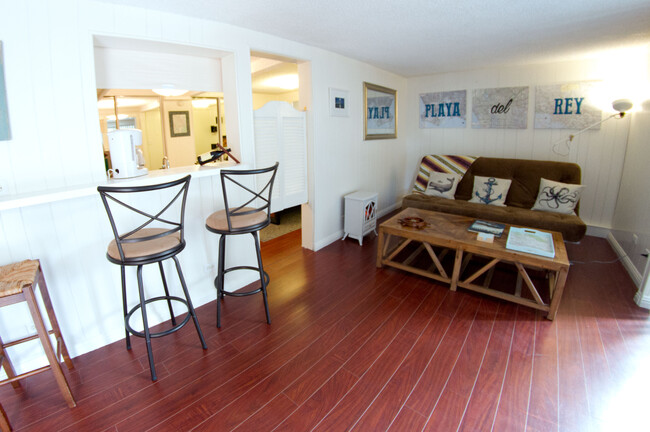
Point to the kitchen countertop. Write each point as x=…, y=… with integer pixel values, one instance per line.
x=46, y=196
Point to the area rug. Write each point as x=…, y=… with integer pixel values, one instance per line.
x=289, y=221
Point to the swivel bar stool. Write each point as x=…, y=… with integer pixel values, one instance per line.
x=247, y=218
x=146, y=237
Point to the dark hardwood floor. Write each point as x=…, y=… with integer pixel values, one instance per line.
x=352, y=347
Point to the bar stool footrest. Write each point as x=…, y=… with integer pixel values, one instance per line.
x=164, y=332
x=246, y=293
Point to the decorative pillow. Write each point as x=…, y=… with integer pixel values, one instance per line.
x=442, y=184
x=557, y=197
x=490, y=190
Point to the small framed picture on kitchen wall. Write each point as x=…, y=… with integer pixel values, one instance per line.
x=380, y=112
x=179, y=123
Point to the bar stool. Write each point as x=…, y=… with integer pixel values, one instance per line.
x=137, y=243
x=18, y=283
x=247, y=218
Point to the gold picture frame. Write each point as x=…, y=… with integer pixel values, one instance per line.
x=379, y=112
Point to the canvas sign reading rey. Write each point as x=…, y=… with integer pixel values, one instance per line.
x=380, y=107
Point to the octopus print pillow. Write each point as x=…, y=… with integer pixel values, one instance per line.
x=558, y=197
x=442, y=185
x=490, y=191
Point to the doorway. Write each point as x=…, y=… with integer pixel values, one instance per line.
x=275, y=79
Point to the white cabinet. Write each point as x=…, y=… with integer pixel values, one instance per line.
x=360, y=214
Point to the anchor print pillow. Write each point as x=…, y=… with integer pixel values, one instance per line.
x=442, y=184
x=558, y=197
x=490, y=191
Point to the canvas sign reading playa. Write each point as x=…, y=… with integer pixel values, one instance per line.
x=443, y=109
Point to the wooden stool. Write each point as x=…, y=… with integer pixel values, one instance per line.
x=18, y=283
x=5, y=426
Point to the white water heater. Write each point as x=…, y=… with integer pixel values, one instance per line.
x=127, y=159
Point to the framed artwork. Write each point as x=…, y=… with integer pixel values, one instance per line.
x=5, y=131
x=338, y=103
x=179, y=123
x=380, y=112
x=500, y=108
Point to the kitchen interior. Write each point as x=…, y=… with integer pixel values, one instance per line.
x=149, y=112
x=151, y=129
x=200, y=138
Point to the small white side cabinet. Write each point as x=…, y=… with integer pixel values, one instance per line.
x=360, y=214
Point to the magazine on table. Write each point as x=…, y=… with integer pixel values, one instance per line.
x=531, y=241
x=481, y=226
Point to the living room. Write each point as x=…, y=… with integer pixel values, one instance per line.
x=50, y=78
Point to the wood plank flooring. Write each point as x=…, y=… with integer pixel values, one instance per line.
x=355, y=348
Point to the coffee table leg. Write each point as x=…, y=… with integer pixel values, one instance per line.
x=456, y=273
x=560, y=280
x=380, y=248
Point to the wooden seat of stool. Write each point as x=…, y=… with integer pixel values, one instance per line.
x=18, y=283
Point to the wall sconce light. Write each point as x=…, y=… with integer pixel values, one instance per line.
x=619, y=105
x=169, y=90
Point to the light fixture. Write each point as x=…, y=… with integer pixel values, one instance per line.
x=119, y=117
x=285, y=82
x=622, y=105
x=203, y=102
x=619, y=105
x=169, y=90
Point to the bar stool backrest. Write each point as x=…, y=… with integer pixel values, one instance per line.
x=130, y=222
x=253, y=201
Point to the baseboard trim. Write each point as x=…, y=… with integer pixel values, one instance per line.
x=388, y=209
x=328, y=240
x=638, y=299
x=627, y=262
x=598, y=231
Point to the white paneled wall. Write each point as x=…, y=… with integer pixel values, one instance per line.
x=600, y=153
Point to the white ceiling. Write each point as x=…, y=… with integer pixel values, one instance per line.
x=422, y=37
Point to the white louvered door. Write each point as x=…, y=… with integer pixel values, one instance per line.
x=281, y=135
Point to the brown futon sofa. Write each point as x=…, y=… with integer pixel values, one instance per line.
x=525, y=176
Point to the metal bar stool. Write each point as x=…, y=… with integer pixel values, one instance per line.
x=146, y=237
x=18, y=283
x=247, y=218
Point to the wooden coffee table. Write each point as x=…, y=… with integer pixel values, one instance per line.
x=449, y=232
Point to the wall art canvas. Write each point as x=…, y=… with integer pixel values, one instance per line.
x=380, y=112
x=567, y=106
x=5, y=131
x=443, y=109
x=500, y=108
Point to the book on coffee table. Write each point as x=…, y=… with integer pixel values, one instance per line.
x=481, y=226
x=531, y=241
